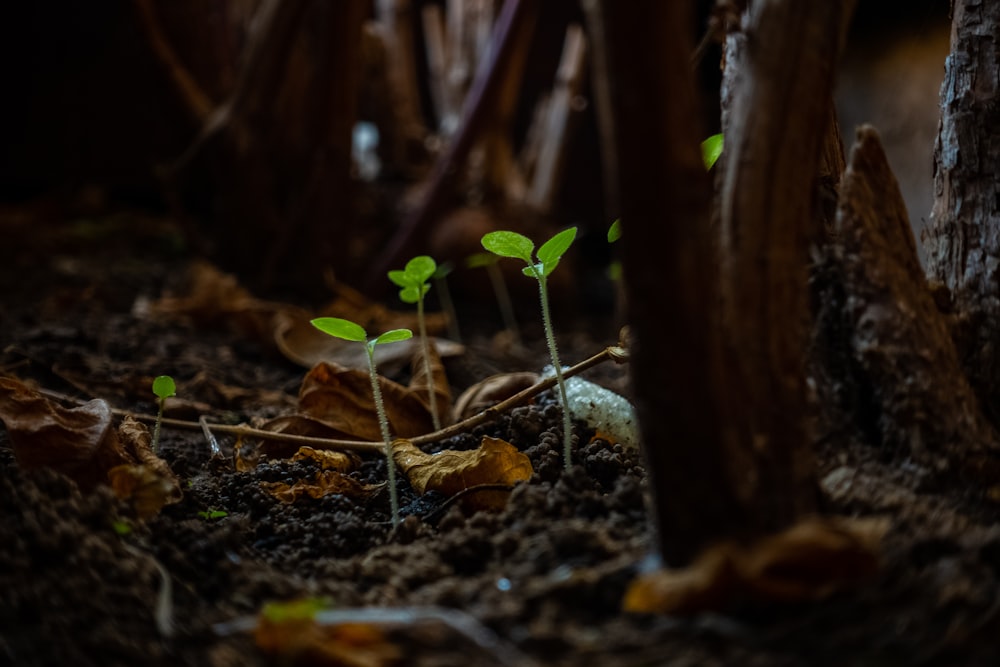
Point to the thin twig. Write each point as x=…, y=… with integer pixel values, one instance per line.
x=612, y=353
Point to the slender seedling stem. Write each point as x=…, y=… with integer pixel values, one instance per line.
x=503, y=300
x=550, y=340
x=383, y=423
x=425, y=348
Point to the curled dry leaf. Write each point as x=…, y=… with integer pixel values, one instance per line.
x=495, y=461
x=341, y=398
x=491, y=391
x=81, y=444
x=322, y=484
x=327, y=459
x=811, y=560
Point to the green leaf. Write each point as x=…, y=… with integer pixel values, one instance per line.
x=393, y=336
x=615, y=231
x=164, y=387
x=401, y=278
x=509, y=244
x=536, y=270
x=340, y=328
x=615, y=271
x=553, y=249
x=295, y=610
x=121, y=527
x=413, y=293
x=213, y=514
x=443, y=270
x=421, y=268
x=711, y=149
x=481, y=259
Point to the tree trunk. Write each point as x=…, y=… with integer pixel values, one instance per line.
x=775, y=133
x=963, y=239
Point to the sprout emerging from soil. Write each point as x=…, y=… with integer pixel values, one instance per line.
x=539, y=265
x=347, y=330
x=413, y=283
x=164, y=388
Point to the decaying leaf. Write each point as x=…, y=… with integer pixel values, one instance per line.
x=81, y=444
x=495, y=461
x=328, y=460
x=809, y=561
x=491, y=391
x=341, y=398
x=289, y=633
x=322, y=484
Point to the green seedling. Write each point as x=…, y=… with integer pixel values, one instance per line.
x=540, y=265
x=615, y=233
x=164, y=388
x=711, y=149
x=213, y=514
x=444, y=295
x=121, y=527
x=412, y=281
x=489, y=261
x=347, y=330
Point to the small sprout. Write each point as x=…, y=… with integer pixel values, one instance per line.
x=540, y=265
x=413, y=283
x=164, y=388
x=347, y=330
x=711, y=149
x=615, y=231
x=121, y=527
x=213, y=514
x=304, y=609
x=489, y=262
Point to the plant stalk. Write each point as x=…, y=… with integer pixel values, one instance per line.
x=425, y=348
x=550, y=339
x=383, y=422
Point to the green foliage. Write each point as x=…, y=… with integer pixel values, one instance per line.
x=121, y=527
x=413, y=279
x=711, y=149
x=615, y=231
x=164, y=386
x=481, y=259
x=295, y=610
x=541, y=264
x=213, y=514
x=351, y=331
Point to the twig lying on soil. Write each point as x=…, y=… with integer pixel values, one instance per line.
x=614, y=353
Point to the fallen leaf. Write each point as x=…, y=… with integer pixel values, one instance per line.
x=288, y=633
x=490, y=391
x=323, y=483
x=495, y=461
x=809, y=561
x=328, y=459
x=341, y=398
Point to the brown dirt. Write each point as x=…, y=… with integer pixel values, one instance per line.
x=538, y=583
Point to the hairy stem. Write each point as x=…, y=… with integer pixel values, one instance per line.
x=383, y=423
x=550, y=339
x=425, y=349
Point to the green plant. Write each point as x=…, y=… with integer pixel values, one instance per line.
x=489, y=261
x=413, y=283
x=711, y=149
x=540, y=265
x=213, y=514
x=615, y=267
x=440, y=279
x=347, y=330
x=164, y=388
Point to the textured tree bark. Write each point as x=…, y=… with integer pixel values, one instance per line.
x=917, y=393
x=963, y=239
x=669, y=271
x=775, y=127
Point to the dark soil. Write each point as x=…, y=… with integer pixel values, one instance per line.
x=539, y=583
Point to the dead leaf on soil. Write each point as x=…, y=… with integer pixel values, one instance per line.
x=293, y=637
x=81, y=444
x=322, y=484
x=809, y=561
x=341, y=398
x=491, y=391
x=495, y=461
x=327, y=459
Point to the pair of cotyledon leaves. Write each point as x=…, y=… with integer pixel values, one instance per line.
x=540, y=263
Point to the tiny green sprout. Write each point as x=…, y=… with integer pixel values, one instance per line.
x=489, y=261
x=347, y=330
x=540, y=264
x=711, y=149
x=615, y=231
x=412, y=281
x=304, y=609
x=213, y=514
x=164, y=388
x=121, y=527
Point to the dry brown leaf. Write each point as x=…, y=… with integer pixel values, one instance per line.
x=297, y=639
x=327, y=459
x=341, y=398
x=809, y=561
x=491, y=391
x=322, y=484
x=146, y=487
x=421, y=384
x=495, y=461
